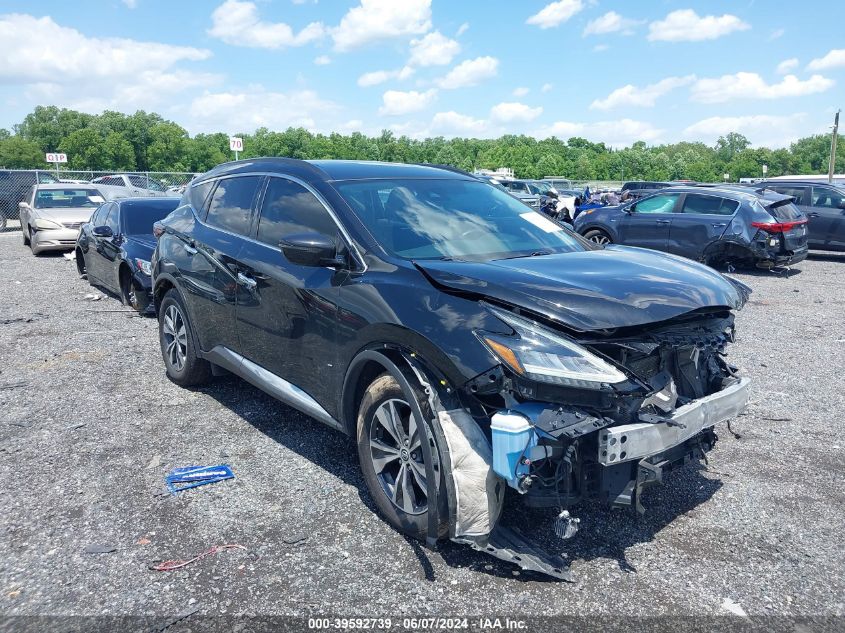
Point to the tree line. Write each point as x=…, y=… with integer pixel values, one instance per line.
x=113, y=141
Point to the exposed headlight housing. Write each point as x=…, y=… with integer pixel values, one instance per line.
x=144, y=266
x=46, y=225
x=537, y=353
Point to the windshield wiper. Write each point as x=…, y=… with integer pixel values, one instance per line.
x=533, y=254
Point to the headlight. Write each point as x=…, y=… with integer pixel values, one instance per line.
x=540, y=354
x=144, y=266
x=42, y=224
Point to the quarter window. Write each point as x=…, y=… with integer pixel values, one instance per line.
x=198, y=194
x=658, y=204
x=231, y=203
x=288, y=209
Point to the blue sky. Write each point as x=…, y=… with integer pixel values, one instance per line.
x=611, y=71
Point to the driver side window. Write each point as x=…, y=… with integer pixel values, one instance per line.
x=658, y=204
x=288, y=209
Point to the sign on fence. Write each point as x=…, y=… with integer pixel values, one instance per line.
x=54, y=157
x=236, y=144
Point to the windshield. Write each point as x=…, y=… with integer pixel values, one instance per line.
x=452, y=219
x=139, y=217
x=67, y=198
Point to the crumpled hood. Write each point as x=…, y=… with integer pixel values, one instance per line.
x=613, y=287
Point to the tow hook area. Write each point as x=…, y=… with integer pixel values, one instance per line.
x=566, y=526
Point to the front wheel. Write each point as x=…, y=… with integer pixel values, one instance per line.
x=130, y=294
x=181, y=362
x=597, y=236
x=389, y=438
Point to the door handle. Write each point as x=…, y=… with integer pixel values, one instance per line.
x=813, y=215
x=663, y=221
x=719, y=226
x=248, y=282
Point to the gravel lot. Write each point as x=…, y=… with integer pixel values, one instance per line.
x=89, y=426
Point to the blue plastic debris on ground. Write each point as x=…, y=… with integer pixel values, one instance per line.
x=180, y=479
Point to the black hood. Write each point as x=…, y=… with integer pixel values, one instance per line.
x=594, y=290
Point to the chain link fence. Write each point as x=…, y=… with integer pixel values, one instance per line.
x=15, y=185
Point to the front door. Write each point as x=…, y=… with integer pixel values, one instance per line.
x=827, y=218
x=287, y=313
x=647, y=222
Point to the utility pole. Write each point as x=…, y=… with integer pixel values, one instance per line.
x=832, y=164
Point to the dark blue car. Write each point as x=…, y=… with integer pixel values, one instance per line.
x=115, y=246
x=717, y=225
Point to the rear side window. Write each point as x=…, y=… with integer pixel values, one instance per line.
x=198, y=194
x=231, y=203
x=795, y=192
x=658, y=204
x=827, y=197
x=709, y=205
x=288, y=209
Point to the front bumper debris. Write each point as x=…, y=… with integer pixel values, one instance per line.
x=636, y=441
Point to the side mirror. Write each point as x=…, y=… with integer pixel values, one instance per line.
x=311, y=249
x=103, y=231
x=842, y=205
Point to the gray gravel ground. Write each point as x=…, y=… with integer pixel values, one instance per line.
x=90, y=425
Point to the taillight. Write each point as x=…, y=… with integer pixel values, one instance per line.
x=777, y=227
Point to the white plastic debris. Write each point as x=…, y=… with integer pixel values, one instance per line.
x=71, y=256
x=733, y=607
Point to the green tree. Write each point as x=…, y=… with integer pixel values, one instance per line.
x=20, y=153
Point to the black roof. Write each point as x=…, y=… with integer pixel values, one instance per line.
x=735, y=191
x=322, y=170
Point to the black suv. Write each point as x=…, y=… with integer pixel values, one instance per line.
x=640, y=188
x=824, y=205
x=464, y=340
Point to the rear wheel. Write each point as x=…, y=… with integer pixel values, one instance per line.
x=390, y=438
x=598, y=236
x=81, y=268
x=183, y=365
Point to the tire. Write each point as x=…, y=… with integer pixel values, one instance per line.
x=129, y=294
x=175, y=335
x=393, y=469
x=597, y=236
x=81, y=266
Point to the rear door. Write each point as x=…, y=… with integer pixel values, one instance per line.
x=827, y=218
x=647, y=223
x=287, y=313
x=209, y=264
x=701, y=222
x=94, y=261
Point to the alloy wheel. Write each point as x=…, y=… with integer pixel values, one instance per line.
x=175, y=337
x=397, y=457
x=600, y=238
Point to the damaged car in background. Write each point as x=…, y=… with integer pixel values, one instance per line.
x=468, y=343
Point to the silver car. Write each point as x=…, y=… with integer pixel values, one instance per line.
x=130, y=186
x=51, y=215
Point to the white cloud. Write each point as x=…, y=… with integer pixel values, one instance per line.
x=546, y=87
x=257, y=107
x=470, y=73
x=776, y=34
x=745, y=85
x=435, y=49
x=375, y=20
x=462, y=29
x=73, y=57
x=237, y=23
x=458, y=123
x=555, y=13
x=521, y=91
x=685, y=25
x=834, y=59
x=618, y=133
x=510, y=112
x=786, y=65
x=397, y=102
x=644, y=97
x=130, y=4
x=611, y=22
x=377, y=77
x=762, y=129
x=322, y=60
